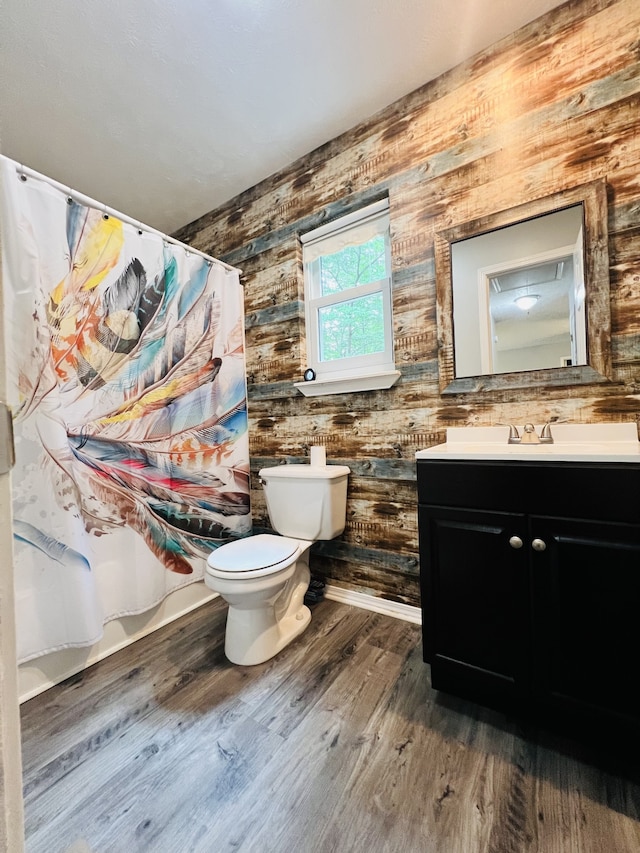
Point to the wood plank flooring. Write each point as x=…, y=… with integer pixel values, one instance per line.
x=338, y=745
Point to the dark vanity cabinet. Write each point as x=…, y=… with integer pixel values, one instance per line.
x=530, y=580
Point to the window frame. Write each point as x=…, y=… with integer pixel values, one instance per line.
x=360, y=372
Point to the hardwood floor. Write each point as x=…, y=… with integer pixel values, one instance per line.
x=338, y=745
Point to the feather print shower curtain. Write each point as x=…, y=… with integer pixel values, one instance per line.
x=127, y=384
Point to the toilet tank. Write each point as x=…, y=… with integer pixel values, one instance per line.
x=306, y=501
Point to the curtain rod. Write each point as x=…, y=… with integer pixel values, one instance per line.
x=90, y=202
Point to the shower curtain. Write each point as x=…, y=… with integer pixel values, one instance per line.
x=126, y=380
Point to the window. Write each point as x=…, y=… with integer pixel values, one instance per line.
x=347, y=280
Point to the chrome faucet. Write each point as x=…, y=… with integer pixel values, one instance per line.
x=529, y=435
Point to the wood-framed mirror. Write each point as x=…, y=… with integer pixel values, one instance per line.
x=553, y=251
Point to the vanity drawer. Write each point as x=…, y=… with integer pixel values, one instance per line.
x=606, y=491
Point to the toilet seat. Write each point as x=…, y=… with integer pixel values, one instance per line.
x=253, y=556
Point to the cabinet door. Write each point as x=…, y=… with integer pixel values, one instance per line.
x=586, y=613
x=475, y=611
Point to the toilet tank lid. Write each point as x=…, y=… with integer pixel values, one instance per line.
x=251, y=553
x=313, y=472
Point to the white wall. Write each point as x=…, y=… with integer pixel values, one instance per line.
x=11, y=810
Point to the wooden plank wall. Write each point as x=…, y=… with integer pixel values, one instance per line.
x=554, y=105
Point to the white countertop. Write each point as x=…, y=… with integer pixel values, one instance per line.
x=571, y=443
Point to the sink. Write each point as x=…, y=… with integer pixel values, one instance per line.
x=571, y=443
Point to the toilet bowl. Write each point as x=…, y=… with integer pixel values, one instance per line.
x=264, y=578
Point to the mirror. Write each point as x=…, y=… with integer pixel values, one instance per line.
x=518, y=296
x=554, y=251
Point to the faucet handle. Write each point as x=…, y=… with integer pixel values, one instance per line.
x=545, y=434
x=514, y=436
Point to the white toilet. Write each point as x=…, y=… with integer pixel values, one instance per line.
x=264, y=578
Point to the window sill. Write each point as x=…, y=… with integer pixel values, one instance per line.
x=347, y=385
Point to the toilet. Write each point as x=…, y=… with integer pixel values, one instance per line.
x=264, y=578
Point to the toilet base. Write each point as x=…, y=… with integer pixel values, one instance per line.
x=262, y=621
x=254, y=636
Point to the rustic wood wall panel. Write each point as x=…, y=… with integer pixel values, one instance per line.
x=552, y=106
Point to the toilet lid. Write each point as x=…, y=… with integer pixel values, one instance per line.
x=254, y=552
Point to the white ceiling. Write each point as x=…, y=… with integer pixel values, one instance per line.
x=165, y=109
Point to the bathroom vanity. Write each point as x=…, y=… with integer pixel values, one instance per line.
x=530, y=573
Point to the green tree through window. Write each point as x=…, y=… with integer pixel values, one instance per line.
x=354, y=327
x=353, y=265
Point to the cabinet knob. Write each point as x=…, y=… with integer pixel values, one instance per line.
x=539, y=545
x=515, y=542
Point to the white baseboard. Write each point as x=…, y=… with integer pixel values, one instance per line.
x=40, y=674
x=377, y=605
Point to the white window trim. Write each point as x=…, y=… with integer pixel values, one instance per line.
x=361, y=373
